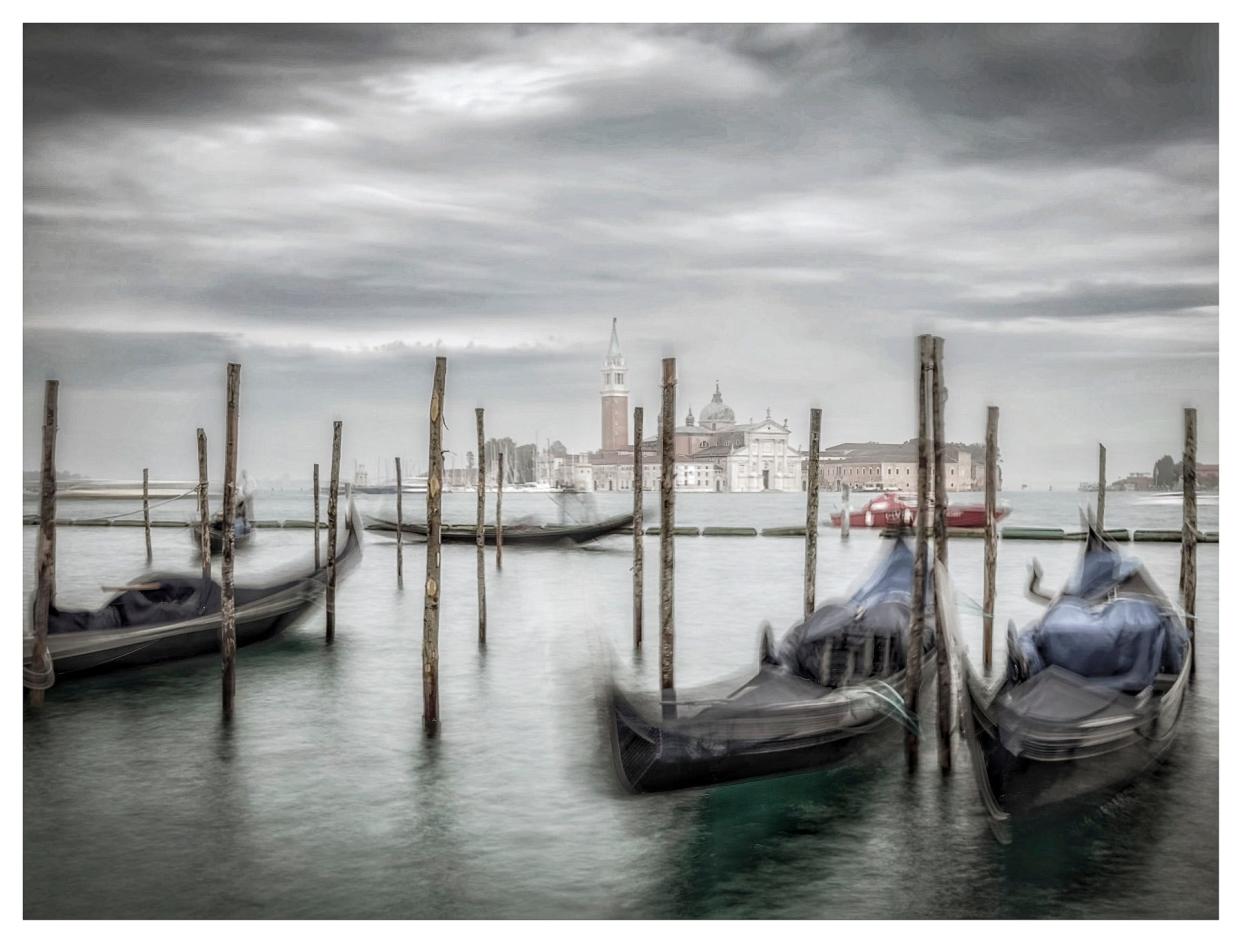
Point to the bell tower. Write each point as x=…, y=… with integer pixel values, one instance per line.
x=614, y=397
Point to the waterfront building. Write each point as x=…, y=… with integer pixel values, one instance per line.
x=1135, y=481
x=760, y=457
x=884, y=466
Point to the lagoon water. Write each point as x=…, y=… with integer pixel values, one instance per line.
x=324, y=799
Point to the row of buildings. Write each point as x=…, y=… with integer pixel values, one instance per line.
x=1207, y=478
x=717, y=453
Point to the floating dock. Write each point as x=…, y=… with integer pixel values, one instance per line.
x=1120, y=535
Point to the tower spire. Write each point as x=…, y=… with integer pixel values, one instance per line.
x=615, y=396
x=614, y=346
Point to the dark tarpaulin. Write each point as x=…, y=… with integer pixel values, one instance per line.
x=175, y=600
x=863, y=635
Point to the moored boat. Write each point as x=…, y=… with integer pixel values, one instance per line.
x=892, y=509
x=515, y=533
x=833, y=689
x=1091, y=696
x=161, y=617
x=243, y=531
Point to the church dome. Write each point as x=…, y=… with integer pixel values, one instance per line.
x=716, y=412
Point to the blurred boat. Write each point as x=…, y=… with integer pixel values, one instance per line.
x=834, y=688
x=415, y=486
x=81, y=489
x=892, y=509
x=161, y=617
x=243, y=531
x=1092, y=693
x=515, y=533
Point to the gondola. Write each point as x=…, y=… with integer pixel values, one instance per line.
x=167, y=616
x=243, y=531
x=1091, y=696
x=833, y=689
x=516, y=533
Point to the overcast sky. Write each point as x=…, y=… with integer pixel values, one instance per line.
x=781, y=208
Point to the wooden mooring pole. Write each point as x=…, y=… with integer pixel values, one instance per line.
x=668, y=471
x=500, y=493
x=638, y=526
x=228, y=616
x=989, y=534
x=146, y=509
x=1099, y=506
x=400, y=575
x=944, y=677
x=334, y=485
x=480, y=529
x=316, y=515
x=812, y=517
x=204, y=511
x=845, y=511
x=431, y=599
x=918, y=595
x=39, y=676
x=1190, y=525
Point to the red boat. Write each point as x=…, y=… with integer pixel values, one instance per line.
x=895, y=510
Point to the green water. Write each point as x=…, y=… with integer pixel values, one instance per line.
x=324, y=799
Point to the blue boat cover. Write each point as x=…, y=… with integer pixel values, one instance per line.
x=1099, y=571
x=1122, y=644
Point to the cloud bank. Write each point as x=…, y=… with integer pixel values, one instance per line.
x=783, y=208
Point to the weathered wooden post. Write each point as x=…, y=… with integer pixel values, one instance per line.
x=668, y=471
x=1099, y=512
x=940, y=498
x=918, y=596
x=334, y=485
x=39, y=676
x=989, y=535
x=480, y=529
x=228, y=624
x=146, y=508
x=845, y=511
x=1190, y=525
x=431, y=601
x=638, y=526
x=400, y=576
x=944, y=678
x=316, y=515
x=812, y=517
x=500, y=493
x=204, y=512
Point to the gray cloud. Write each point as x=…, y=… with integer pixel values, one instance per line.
x=783, y=206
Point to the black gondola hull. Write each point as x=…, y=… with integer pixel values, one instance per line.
x=1024, y=786
x=517, y=534
x=260, y=614
x=653, y=756
x=215, y=538
x=139, y=652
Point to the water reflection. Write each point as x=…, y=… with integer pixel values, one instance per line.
x=137, y=802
